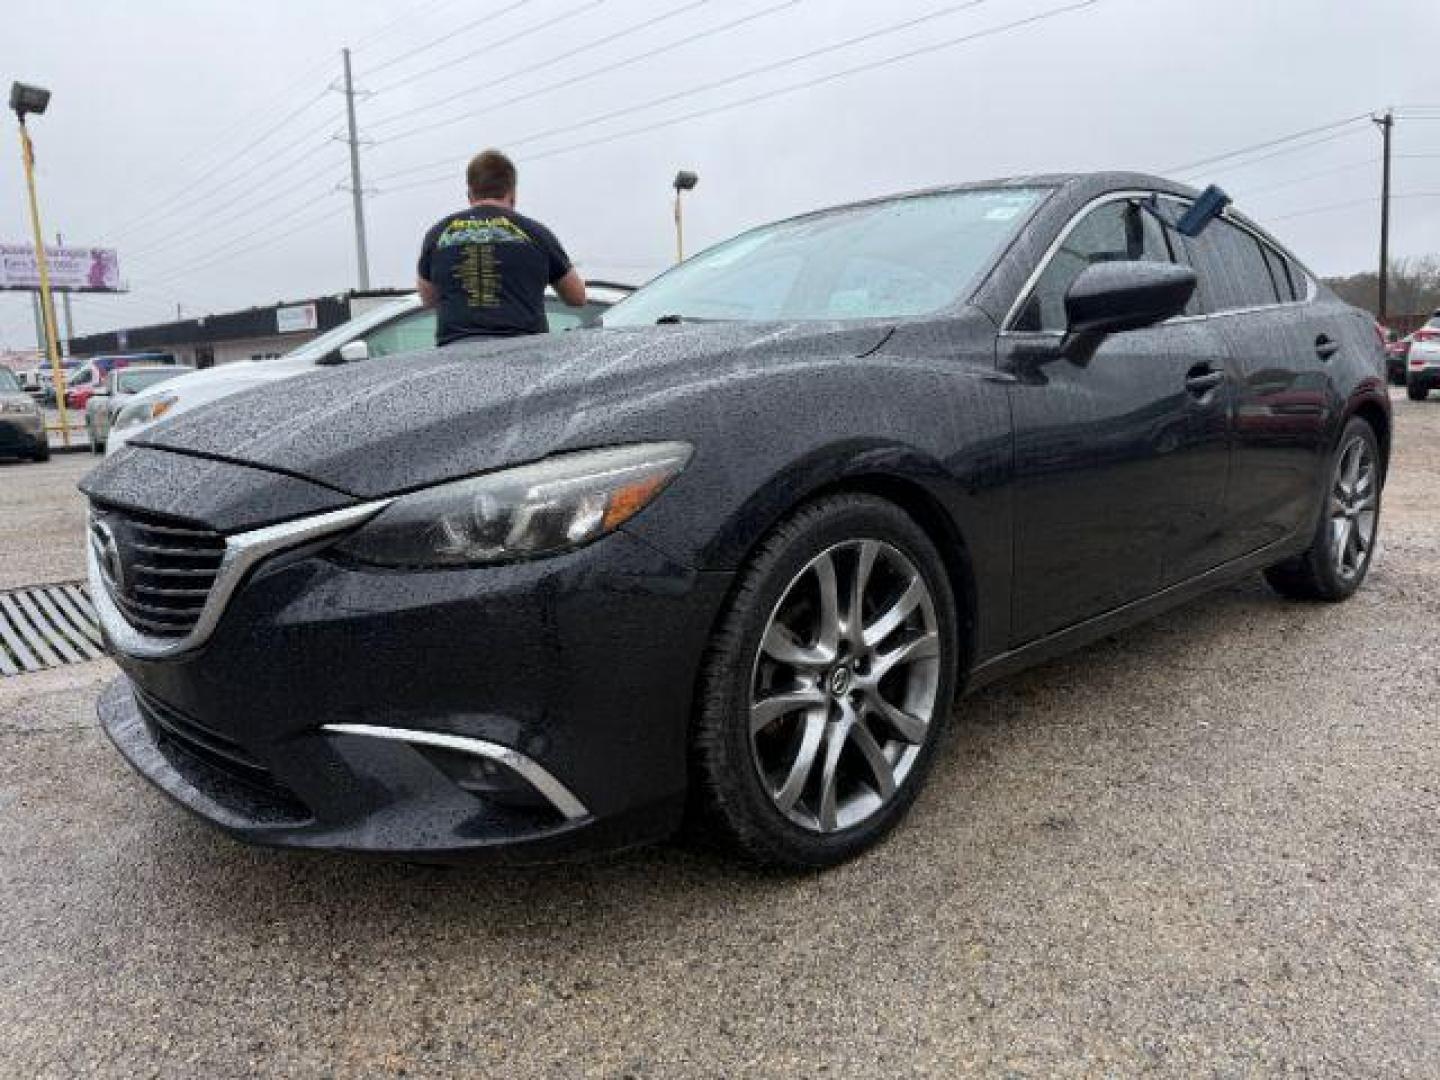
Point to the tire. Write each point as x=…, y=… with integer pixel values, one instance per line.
x=42, y=452
x=1340, y=552
x=1417, y=393
x=763, y=795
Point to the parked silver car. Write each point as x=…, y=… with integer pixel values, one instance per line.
x=117, y=391
x=22, y=427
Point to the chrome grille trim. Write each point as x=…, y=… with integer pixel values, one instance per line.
x=136, y=634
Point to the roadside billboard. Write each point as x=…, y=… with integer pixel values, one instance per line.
x=72, y=269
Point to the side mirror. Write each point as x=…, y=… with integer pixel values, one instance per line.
x=348, y=353
x=1110, y=298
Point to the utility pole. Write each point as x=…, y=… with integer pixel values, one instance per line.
x=1387, y=125
x=357, y=193
x=41, y=341
x=65, y=308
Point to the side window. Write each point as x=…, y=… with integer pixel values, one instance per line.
x=1116, y=232
x=410, y=334
x=1299, y=278
x=1280, y=274
x=1232, y=268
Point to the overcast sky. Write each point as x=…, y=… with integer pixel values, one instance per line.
x=197, y=137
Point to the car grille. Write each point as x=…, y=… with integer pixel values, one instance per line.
x=159, y=573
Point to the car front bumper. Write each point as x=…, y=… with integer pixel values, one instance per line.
x=21, y=433
x=527, y=712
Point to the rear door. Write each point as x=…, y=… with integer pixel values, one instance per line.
x=1120, y=463
x=1282, y=343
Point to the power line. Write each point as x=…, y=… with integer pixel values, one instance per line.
x=587, y=46
x=729, y=80
x=805, y=85
x=449, y=35
x=208, y=173
x=1250, y=193
x=257, y=201
x=226, y=253
x=211, y=193
x=493, y=45
x=585, y=76
x=1369, y=200
x=1245, y=150
x=1281, y=152
x=409, y=16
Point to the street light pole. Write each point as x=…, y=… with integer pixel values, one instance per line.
x=684, y=181
x=27, y=99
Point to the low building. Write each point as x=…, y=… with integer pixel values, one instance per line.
x=256, y=333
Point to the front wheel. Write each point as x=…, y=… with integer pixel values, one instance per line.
x=827, y=685
x=1339, y=555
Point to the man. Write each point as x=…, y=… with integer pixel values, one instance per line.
x=485, y=269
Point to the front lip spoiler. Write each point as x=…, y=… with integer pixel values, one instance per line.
x=556, y=793
x=242, y=552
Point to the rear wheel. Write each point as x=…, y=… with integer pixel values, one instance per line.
x=1417, y=393
x=1339, y=555
x=827, y=685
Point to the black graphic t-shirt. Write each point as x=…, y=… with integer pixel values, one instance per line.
x=490, y=266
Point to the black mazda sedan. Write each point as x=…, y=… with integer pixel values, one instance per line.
x=731, y=558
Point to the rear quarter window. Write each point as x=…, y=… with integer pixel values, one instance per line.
x=1233, y=271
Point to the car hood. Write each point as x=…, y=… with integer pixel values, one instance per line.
x=373, y=429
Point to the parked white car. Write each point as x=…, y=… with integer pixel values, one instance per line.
x=1423, y=361
x=397, y=327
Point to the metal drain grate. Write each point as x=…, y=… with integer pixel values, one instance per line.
x=46, y=626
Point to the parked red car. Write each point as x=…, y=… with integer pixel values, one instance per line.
x=92, y=376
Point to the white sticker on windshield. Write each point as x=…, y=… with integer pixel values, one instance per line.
x=1002, y=213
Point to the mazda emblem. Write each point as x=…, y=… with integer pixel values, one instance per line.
x=108, y=552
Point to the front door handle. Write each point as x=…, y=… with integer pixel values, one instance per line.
x=1202, y=379
x=1326, y=347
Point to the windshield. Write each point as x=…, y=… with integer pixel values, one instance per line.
x=8, y=383
x=894, y=259
x=132, y=382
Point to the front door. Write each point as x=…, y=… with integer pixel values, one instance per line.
x=1121, y=464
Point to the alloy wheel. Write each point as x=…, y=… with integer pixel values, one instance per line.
x=1353, y=506
x=844, y=685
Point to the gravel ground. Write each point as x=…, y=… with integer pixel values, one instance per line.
x=42, y=520
x=1207, y=846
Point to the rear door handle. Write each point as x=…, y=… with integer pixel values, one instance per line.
x=1326, y=347
x=1202, y=379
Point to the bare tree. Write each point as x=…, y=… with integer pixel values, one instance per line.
x=1414, y=290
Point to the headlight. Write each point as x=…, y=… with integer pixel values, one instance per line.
x=522, y=513
x=143, y=412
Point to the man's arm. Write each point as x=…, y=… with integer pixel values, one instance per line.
x=429, y=294
x=571, y=288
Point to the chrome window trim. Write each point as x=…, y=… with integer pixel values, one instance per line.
x=1008, y=323
x=558, y=795
x=243, y=551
